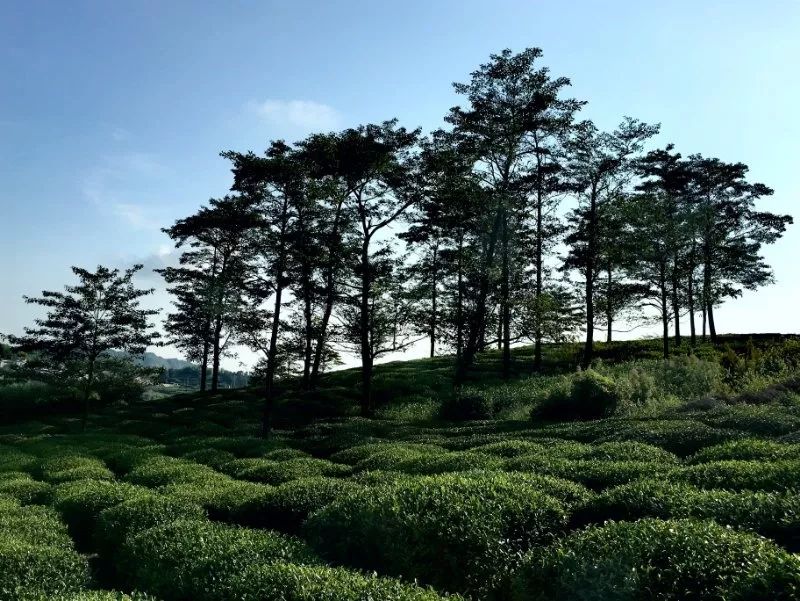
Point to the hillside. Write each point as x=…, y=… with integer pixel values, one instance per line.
x=504, y=491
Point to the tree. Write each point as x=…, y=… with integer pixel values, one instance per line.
x=374, y=166
x=208, y=281
x=100, y=313
x=513, y=129
x=729, y=231
x=600, y=165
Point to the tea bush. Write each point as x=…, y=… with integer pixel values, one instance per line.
x=195, y=559
x=25, y=489
x=30, y=572
x=424, y=527
x=75, y=467
x=740, y=475
x=162, y=470
x=774, y=515
x=358, y=453
x=596, y=474
x=224, y=500
x=268, y=471
x=747, y=449
x=655, y=559
x=289, y=582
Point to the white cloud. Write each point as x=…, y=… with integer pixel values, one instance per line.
x=107, y=187
x=303, y=114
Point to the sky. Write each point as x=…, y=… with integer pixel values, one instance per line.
x=113, y=114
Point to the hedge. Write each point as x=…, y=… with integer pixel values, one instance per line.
x=225, y=500
x=741, y=475
x=459, y=533
x=747, y=449
x=657, y=560
x=277, y=472
x=290, y=582
x=195, y=559
x=30, y=572
x=162, y=470
x=26, y=490
x=594, y=473
x=74, y=467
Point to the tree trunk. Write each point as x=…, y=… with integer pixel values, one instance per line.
x=434, y=316
x=704, y=322
x=505, y=302
x=676, y=307
x=478, y=315
x=690, y=291
x=460, y=302
x=364, y=327
x=609, y=308
x=537, y=345
x=664, y=311
x=204, y=365
x=330, y=298
x=308, y=317
x=216, y=355
x=272, y=354
x=712, y=329
x=87, y=393
x=588, y=349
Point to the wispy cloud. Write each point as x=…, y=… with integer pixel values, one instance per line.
x=307, y=115
x=108, y=187
x=120, y=134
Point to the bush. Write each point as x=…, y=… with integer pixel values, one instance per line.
x=73, y=467
x=655, y=559
x=278, y=472
x=284, y=454
x=125, y=459
x=26, y=490
x=510, y=448
x=224, y=500
x=774, y=515
x=29, y=572
x=449, y=462
x=12, y=460
x=287, y=506
x=104, y=596
x=116, y=523
x=468, y=407
x=358, y=453
x=747, y=449
x=741, y=475
x=162, y=470
x=195, y=559
x=460, y=533
x=80, y=503
x=759, y=420
x=680, y=436
x=594, y=473
x=289, y=582
x=588, y=395
x=214, y=458
x=34, y=525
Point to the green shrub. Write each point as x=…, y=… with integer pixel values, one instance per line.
x=194, y=559
x=29, y=572
x=116, y=523
x=774, y=515
x=71, y=467
x=214, y=458
x=162, y=470
x=461, y=533
x=468, y=407
x=284, y=454
x=26, y=490
x=655, y=559
x=104, y=596
x=628, y=451
x=287, y=506
x=747, y=449
x=34, y=525
x=594, y=473
x=588, y=395
x=278, y=472
x=449, y=462
x=12, y=460
x=680, y=436
x=741, y=475
x=289, y=582
x=358, y=453
x=510, y=448
x=125, y=459
x=224, y=500
x=80, y=503
x=758, y=420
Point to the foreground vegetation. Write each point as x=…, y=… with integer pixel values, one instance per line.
x=678, y=480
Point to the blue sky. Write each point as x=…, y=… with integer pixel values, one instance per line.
x=112, y=114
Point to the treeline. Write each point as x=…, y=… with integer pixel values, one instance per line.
x=375, y=237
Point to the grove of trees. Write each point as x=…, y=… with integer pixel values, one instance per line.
x=517, y=221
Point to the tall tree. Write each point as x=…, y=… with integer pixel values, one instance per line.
x=98, y=314
x=600, y=165
x=513, y=128
x=730, y=232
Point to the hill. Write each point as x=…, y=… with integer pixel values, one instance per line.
x=664, y=479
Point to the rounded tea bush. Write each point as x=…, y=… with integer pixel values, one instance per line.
x=195, y=559
x=656, y=560
x=73, y=467
x=80, y=503
x=596, y=474
x=460, y=533
x=225, y=500
x=747, y=449
x=162, y=470
x=290, y=582
x=741, y=475
x=26, y=490
x=773, y=515
x=116, y=523
x=35, y=525
x=104, y=596
x=287, y=506
x=278, y=472
x=30, y=572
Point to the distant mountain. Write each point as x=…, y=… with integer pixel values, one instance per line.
x=178, y=371
x=152, y=360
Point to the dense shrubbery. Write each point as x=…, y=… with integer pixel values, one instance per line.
x=196, y=559
x=74, y=467
x=426, y=526
x=268, y=471
x=774, y=515
x=747, y=449
x=740, y=475
x=587, y=395
x=654, y=559
x=24, y=488
x=596, y=474
x=289, y=582
x=225, y=500
x=162, y=470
